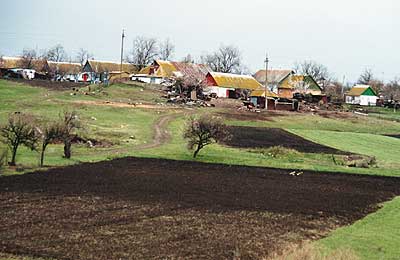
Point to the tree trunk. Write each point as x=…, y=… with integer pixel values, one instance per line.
x=42, y=155
x=197, y=151
x=67, y=149
x=14, y=155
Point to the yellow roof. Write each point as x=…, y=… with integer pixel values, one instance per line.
x=261, y=93
x=357, y=90
x=10, y=62
x=228, y=80
x=165, y=70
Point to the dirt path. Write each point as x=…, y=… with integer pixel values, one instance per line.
x=161, y=135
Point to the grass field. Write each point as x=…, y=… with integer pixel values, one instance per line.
x=128, y=128
x=374, y=237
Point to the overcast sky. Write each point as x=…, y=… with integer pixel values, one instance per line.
x=345, y=35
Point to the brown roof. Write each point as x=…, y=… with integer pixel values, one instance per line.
x=274, y=76
x=65, y=67
x=198, y=71
x=168, y=69
x=40, y=65
x=106, y=66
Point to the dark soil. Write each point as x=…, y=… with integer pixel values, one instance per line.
x=261, y=137
x=161, y=209
x=394, y=136
x=52, y=85
x=245, y=115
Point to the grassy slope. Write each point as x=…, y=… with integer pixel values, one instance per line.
x=374, y=237
x=385, y=149
x=125, y=127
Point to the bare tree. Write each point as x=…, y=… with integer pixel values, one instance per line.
x=69, y=124
x=167, y=49
x=188, y=59
x=83, y=55
x=226, y=59
x=19, y=130
x=56, y=53
x=144, y=51
x=204, y=131
x=27, y=58
x=317, y=71
x=1, y=60
x=392, y=90
x=366, y=77
x=335, y=91
x=50, y=133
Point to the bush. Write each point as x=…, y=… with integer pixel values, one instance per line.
x=277, y=151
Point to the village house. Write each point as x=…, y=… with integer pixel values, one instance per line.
x=286, y=83
x=229, y=85
x=99, y=71
x=161, y=70
x=362, y=95
x=65, y=70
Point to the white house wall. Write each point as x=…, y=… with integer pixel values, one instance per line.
x=368, y=100
x=361, y=100
x=220, y=92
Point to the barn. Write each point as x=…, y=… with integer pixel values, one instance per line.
x=362, y=95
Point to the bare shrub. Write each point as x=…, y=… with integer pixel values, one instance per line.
x=277, y=151
x=19, y=130
x=204, y=131
x=310, y=252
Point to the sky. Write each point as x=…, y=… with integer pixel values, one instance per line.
x=347, y=36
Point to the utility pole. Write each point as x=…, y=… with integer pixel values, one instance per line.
x=122, y=53
x=266, y=80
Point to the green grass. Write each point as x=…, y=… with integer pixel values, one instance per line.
x=376, y=236
x=384, y=113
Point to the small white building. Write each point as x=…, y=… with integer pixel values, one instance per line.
x=153, y=79
x=362, y=95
